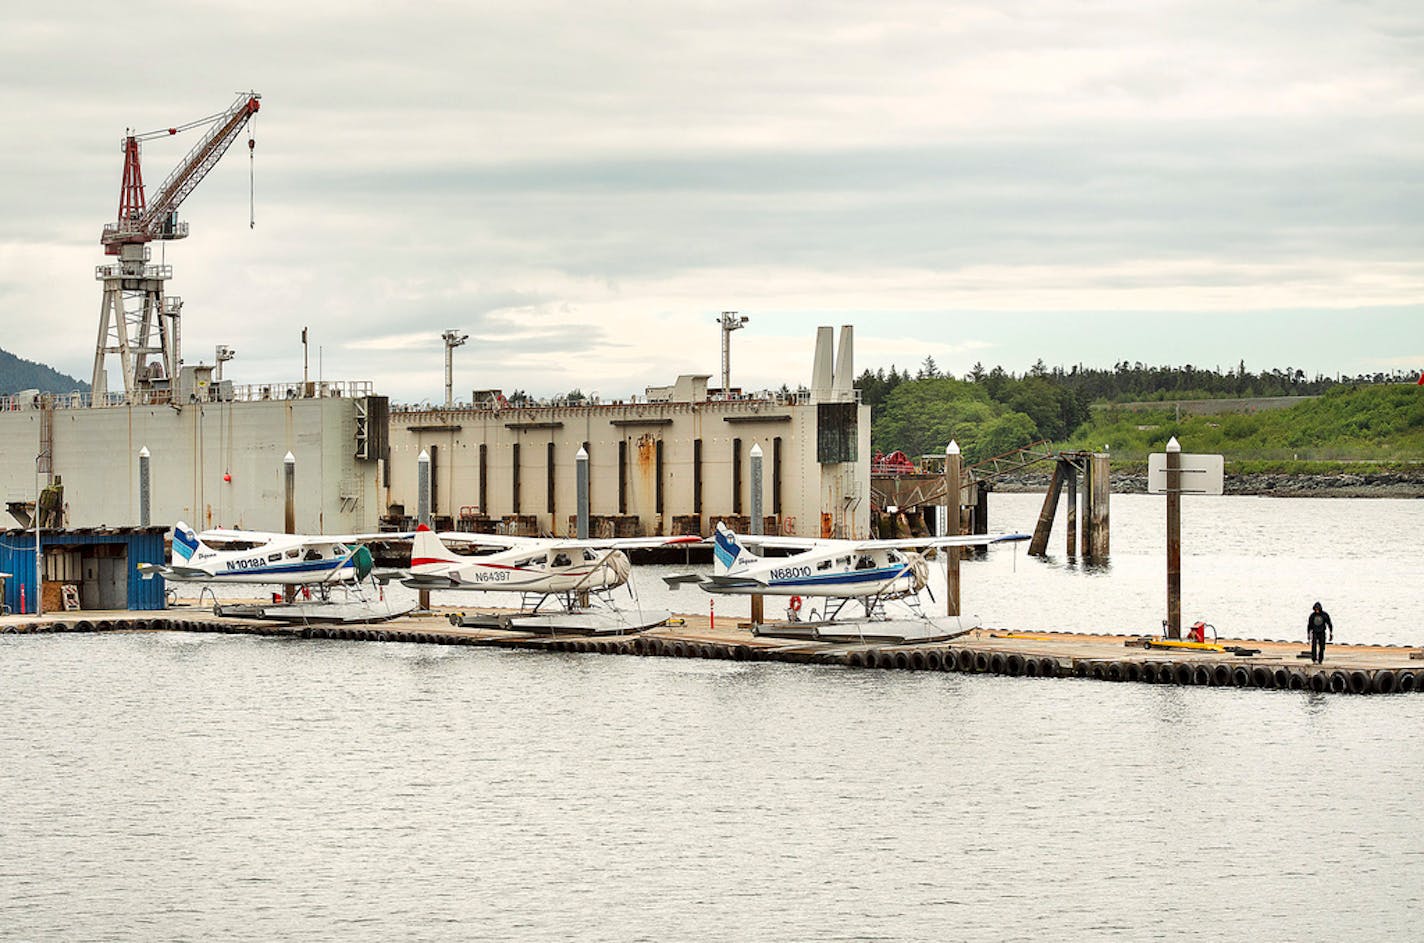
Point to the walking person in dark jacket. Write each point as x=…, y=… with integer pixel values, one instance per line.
x=1316, y=627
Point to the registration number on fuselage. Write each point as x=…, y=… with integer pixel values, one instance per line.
x=790, y=572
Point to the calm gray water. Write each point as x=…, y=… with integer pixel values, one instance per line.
x=169, y=786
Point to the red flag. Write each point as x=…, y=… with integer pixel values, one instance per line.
x=1420, y=381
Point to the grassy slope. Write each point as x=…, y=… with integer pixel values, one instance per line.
x=1382, y=425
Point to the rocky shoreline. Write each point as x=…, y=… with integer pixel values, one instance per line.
x=1386, y=485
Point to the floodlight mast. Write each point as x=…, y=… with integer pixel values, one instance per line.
x=730, y=321
x=452, y=340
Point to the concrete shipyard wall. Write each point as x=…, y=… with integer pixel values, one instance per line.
x=96, y=454
x=807, y=487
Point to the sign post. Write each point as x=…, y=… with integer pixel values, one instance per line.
x=1174, y=474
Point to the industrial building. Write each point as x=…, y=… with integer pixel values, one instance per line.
x=674, y=461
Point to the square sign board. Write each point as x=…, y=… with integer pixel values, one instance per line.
x=1201, y=474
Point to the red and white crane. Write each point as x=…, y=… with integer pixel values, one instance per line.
x=136, y=320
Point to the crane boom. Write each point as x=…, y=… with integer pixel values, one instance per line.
x=141, y=222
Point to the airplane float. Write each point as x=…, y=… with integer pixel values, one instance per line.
x=564, y=573
x=871, y=572
x=316, y=563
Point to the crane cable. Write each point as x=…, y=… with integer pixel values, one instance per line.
x=251, y=179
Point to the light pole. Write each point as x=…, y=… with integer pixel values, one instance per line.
x=452, y=340
x=39, y=559
x=730, y=321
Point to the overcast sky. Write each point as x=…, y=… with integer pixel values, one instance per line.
x=583, y=187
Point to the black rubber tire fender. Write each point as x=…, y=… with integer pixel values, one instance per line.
x=1339, y=682
x=982, y=661
x=1014, y=664
x=1385, y=682
x=918, y=662
x=1359, y=682
x=1261, y=677
x=1406, y=682
x=1241, y=676
x=1048, y=668
x=996, y=663
x=1220, y=675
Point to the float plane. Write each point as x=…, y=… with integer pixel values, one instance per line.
x=564, y=572
x=872, y=572
x=256, y=557
x=248, y=556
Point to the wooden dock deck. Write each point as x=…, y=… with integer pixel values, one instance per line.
x=1352, y=669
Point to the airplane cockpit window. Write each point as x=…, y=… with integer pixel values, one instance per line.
x=864, y=563
x=843, y=562
x=274, y=558
x=589, y=556
x=824, y=565
x=293, y=553
x=313, y=554
x=562, y=559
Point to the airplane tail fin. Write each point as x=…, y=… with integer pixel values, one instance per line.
x=185, y=542
x=728, y=551
x=427, y=548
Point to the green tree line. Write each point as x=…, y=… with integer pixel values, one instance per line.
x=992, y=412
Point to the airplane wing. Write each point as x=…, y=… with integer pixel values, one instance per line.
x=150, y=570
x=500, y=541
x=924, y=543
x=621, y=543
x=795, y=543
x=425, y=581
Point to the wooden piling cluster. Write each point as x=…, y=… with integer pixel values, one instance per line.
x=1091, y=540
x=1354, y=669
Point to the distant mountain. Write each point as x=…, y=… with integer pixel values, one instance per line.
x=17, y=373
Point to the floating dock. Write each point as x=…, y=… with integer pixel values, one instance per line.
x=1349, y=669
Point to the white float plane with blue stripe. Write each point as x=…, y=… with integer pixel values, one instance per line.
x=871, y=572
x=244, y=556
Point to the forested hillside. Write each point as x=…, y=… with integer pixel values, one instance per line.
x=17, y=374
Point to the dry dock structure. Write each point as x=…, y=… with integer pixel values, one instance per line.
x=1350, y=669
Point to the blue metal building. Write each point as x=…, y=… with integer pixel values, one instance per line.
x=101, y=565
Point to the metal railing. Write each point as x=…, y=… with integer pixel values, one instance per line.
x=213, y=393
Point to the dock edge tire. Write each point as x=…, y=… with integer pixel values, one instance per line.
x=964, y=660
x=1319, y=682
x=678, y=650
x=1240, y=677
x=884, y=660
x=1132, y=671
x=1014, y=664
x=742, y=653
x=1150, y=672
x=918, y=662
x=1181, y=673
x=1359, y=682
x=1281, y=678
x=1406, y=682
x=1386, y=682
x=1221, y=675
x=1339, y=682
x=934, y=661
x=1048, y=667
x=1030, y=668
x=1201, y=676
x=1261, y=677
x=1296, y=679
x=981, y=661
x=996, y=663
